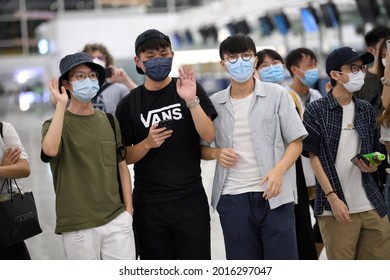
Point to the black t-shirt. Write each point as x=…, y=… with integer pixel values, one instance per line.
x=172, y=170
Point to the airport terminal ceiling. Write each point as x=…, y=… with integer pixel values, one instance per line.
x=20, y=19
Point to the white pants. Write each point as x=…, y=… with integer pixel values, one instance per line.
x=112, y=241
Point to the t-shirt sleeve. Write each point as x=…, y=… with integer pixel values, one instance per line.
x=311, y=144
x=205, y=102
x=45, y=127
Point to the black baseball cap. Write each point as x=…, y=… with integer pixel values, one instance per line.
x=147, y=35
x=72, y=60
x=346, y=55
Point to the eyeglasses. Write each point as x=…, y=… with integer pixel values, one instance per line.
x=232, y=58
x=356, y=68
x=81, y=76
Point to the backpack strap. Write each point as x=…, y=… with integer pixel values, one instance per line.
x=298, y=106
x=97, y=101
x=112, y=123
x=1, y=129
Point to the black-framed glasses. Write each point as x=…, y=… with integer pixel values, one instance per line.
x=81, y=76
x=232, y=58
x=356, y=68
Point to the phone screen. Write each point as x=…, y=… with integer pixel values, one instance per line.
x=108, y=72
x=359, y=156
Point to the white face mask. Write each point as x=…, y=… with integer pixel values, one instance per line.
x=384, y=62
x=355, y=82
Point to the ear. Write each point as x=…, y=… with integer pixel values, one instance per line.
x=293, y=70
x=139, y=63
x=371, y=50
x=256, y=59
x=222, y=63
x=334, y=75
x=67, y=85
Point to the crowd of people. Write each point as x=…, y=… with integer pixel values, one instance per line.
x=281, y=149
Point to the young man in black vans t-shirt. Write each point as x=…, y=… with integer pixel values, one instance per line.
x=171, y=216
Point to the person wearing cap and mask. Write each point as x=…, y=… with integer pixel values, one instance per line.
x=117, y=84
x=171, y=212
x=82, y=149
x=349, y=205
x=257, y=141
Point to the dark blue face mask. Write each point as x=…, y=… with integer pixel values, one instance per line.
x=158, y=68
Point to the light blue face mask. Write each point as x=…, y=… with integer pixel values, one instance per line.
x=85, y=90
x=310, y=77
x=272, y=74
x=241, y=71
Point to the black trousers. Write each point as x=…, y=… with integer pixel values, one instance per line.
x=178, y=229
x=303, y=226
x=17, y=251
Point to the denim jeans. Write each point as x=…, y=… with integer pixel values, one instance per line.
x=254, y=231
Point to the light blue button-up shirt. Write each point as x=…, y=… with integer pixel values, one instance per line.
x=274, y=123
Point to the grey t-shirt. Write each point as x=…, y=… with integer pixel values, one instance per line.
x=110, y=97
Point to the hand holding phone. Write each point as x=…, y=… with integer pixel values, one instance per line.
x=359, y=156
x=165, y=123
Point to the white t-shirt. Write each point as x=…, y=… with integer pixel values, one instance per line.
x=350, y=175
x=10, y=139
x=245, y=175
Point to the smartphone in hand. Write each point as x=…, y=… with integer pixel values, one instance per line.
x=165, y=123
x=108, y=72
x=360, y=156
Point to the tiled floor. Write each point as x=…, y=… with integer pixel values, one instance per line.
x=47, y=245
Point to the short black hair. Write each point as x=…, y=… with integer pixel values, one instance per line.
x=267, y=52
x=295, y=56
x=373, y=36
x=153, y=44
x=236, y=44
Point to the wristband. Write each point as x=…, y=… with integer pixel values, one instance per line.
x=329, y=193
x=193, y=103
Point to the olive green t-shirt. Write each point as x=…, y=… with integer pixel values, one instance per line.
x=85, y=172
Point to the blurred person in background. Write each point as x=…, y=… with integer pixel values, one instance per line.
x=270, y=66
x=13, y=165
x=302, y=65
x=372, y=89
x=383, y=73
x=117, y=83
